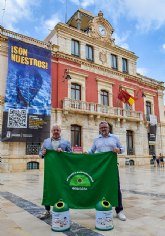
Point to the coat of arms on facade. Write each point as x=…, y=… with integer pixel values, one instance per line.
x=103, y=57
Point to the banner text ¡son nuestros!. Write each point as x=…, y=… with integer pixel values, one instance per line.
x=20, y=55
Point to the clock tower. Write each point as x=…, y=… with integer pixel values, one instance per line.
x=101, y=29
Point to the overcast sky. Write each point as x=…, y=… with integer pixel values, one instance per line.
x=139, y=25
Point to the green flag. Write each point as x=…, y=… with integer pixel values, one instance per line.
x=81, y=180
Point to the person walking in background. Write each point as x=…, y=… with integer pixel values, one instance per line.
x=107, y=142
x=158, y=161
x=54, y=143
x=154, y=159
x=161, y=160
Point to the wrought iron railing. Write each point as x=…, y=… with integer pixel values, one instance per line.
x=32, y=148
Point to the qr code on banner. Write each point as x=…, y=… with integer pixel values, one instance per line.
x=17, y=118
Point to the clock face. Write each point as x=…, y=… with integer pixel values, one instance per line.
x=102, y=30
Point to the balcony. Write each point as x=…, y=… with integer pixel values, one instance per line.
x=70, y=105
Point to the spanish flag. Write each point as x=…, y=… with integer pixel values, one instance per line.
x=125, y=97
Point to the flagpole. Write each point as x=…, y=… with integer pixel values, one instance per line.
x=4, y=9
x=66, y=9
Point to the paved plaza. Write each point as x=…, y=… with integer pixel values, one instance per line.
x=143, y=191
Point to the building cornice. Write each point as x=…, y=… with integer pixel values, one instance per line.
x=5, y=34
x=144, y=82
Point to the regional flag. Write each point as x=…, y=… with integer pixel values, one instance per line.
x=125, y=97
x=80, y=180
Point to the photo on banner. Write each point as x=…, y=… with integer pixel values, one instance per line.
x=27, y=106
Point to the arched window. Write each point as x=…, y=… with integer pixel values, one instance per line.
x=104, y=98
x=75, y=91
x=130, y=142
x=76, y=135
x=32, y=165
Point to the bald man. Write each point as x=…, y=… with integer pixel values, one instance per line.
x=54, y=143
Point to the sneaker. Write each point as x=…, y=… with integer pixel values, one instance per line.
x=121, y=216
x=46, y=215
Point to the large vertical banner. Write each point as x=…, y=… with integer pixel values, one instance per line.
x=27, y=107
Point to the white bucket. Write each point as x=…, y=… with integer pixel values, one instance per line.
x=104, y=220
x=60, y=221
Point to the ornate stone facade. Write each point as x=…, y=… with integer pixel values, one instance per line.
x=93, y=77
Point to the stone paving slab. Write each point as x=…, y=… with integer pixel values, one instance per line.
x=143, y=200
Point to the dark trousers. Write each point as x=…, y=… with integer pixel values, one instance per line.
x=120, y=205
x=47, y=208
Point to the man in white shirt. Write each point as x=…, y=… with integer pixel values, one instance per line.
x=107, y=142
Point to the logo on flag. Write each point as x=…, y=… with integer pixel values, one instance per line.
x=80, y=180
